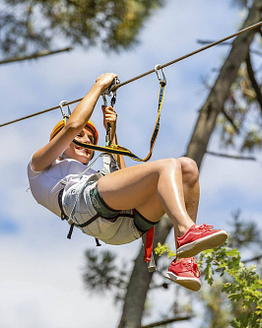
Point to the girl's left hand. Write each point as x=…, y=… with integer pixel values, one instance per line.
x=110, y=116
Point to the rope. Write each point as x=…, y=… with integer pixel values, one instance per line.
x=244, y=30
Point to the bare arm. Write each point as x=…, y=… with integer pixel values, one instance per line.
x=119, y=158
x=45, y=156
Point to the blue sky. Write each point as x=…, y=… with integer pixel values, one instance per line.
x=41, y=271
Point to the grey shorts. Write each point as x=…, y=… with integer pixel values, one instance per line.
x=128, y=226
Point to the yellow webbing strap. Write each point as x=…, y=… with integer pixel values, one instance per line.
x=119, y=150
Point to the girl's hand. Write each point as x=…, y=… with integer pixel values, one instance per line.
x=109, y=116
x=105, y=80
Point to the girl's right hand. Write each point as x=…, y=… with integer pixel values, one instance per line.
x=105, y=80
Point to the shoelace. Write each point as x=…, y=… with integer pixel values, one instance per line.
x=192, y=266
x=205, y=227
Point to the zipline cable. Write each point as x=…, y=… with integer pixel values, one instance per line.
x=244, y=30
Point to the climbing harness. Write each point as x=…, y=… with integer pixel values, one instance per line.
x=110, y=164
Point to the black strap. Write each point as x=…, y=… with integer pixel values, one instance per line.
x=97, y=242
x=60, y=195
x=88, y=222
x=65, y=217
x=70, y=231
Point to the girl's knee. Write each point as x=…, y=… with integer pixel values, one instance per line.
x=171, y=164
x=189, y=170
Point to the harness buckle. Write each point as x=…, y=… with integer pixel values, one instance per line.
x=161, y=79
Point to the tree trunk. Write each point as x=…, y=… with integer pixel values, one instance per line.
x=219, y=93
x=141, y=278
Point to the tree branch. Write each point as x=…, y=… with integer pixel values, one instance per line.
x=204, y=42
x=231, y=156
x=231, y=121
x=252, y=78
x=164, y=322
x=34, y=55
x=228, y=43
x=256, y=258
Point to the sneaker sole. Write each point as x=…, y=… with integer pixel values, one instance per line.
x=192, y=284
x=197, y=246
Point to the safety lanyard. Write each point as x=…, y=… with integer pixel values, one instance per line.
x=119, y=150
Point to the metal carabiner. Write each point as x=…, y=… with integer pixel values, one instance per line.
x=161, y=79
x=104, y=100
x=108, y=128
x=108, y=90
x=61, y=104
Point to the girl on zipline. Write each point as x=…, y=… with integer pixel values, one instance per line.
x=126, y=203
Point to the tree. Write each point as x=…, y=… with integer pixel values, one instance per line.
x=113, y=24
x=219, y=311
x=243, y=286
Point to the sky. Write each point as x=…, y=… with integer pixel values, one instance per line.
x=41, y=283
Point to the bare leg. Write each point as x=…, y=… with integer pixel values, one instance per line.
x=190, y=178
x=155, y=187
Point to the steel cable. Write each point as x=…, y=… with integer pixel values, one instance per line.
x=244, y=30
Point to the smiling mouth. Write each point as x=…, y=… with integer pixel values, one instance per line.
x=83, y=150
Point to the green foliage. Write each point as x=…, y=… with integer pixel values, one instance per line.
x=243, y=283
x=244, y=233
x=102, y=273
x=161, y=249
x=240, y=123
x=217, y=312
x=34, y=25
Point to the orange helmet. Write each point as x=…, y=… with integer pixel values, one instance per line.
x=59, y=126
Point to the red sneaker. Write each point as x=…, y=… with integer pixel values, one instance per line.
x=198, y=238
x=185, y=273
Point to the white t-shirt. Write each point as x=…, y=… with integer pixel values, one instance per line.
x=45, y=185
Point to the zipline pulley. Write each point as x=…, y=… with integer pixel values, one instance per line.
x=161, y=79
x=112, y=86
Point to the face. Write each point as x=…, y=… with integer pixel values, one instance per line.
x=79, y=153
